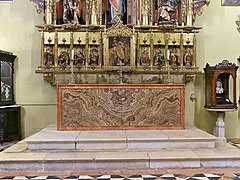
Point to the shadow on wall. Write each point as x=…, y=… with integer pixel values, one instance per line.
x=204, y=119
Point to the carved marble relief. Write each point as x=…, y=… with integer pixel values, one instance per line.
x=92, y=106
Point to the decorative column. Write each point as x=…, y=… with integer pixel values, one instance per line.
x=189, y=13
x=87, y=11
x=220, y=125
x=145, y=12
x=220, y=130
x=49, y=11
x=94, y=12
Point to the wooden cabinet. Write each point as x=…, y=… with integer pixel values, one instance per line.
x=10, y=123
x=220, y=88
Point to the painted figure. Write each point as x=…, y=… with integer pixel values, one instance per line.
x=119, y=53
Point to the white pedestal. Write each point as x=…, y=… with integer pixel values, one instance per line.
x=220, y=125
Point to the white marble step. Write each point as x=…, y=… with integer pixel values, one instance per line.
x=189, y=138
x=18, y=158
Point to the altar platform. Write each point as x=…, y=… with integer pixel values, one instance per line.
x=50, y=150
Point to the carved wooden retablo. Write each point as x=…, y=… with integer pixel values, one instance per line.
x=93, y=107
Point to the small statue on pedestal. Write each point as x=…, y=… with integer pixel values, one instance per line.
x=220, y=94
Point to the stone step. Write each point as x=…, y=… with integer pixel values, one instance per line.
x=19, y=158
x=189, y=138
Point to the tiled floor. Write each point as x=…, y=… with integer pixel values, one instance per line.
x=119, y=177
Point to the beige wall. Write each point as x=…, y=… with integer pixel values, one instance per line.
x=19, y=35
x=218, y=40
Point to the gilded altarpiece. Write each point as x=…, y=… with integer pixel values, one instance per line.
x=130, y=43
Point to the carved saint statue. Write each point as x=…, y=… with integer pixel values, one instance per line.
x=174, y=59
x=158, y=59
x=67, y=11
x=79, y=58
x=167, y=11
x=94, y=56
x=76, y=14
x=188, y=58
x=49, y=58
x=71, y=11
x=63, y=59
x=144, y=59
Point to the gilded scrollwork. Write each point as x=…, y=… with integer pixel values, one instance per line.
x=119, y=29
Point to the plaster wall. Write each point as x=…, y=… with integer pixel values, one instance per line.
x=218, y=40
x=19, y=35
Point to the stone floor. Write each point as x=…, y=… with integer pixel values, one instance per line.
x=133, y=155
